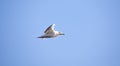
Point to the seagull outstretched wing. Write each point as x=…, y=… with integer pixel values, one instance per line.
x=50, y=29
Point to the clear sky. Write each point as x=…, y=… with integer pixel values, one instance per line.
x=91, y=27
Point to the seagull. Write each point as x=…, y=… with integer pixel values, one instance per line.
x=51, y=33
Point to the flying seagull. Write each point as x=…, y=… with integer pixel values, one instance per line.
x=50, y=32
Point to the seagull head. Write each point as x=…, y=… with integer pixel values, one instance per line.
x=60, y=33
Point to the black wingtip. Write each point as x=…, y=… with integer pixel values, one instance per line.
x=40, y=37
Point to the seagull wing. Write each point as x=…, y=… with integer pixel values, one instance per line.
x=50, y=29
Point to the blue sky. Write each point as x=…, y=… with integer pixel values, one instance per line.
x=91, y=27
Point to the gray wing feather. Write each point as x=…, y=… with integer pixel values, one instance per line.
x=50, y=28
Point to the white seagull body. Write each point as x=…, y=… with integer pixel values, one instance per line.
x=51, y=33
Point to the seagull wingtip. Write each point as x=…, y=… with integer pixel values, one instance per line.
x=53, y=24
